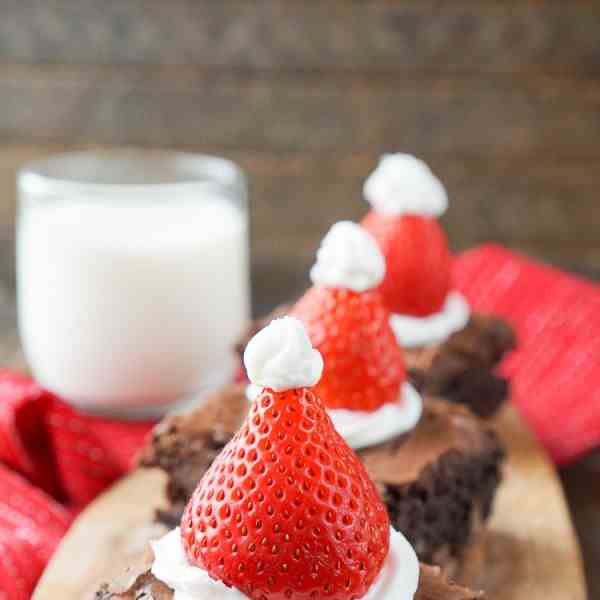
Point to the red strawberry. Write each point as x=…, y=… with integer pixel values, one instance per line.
x=287, y=510
x=363, y=364
x=418, y=262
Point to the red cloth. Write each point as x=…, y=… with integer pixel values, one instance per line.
x=53, y=460
x=556, y=370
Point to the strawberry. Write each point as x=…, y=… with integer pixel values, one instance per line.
x=417, y=259
x=287, y=510
x=364, y=366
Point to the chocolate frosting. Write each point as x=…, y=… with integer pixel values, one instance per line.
x=442, y=428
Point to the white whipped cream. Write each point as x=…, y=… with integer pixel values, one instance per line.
x=413, y=331
x=188, y=582
x=281, y=357
x=403, y=184
x=350, y=258
x=362, y=429
x=398, y=579
x=399, y=576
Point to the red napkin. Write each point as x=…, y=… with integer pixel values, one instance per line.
x=556, y=370
x=31, y=525
x=53, y=460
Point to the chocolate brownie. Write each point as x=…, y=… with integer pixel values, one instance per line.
x=140, y=584
x=438, y=481
x=184, y=446
x=462, y=369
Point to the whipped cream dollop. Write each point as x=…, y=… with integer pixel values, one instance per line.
x=398, y=579
x=399, y=576
x=413, y=331
x=350, y=258
x=281, y=357
x=362, y=429
x=188, y=582
x=403, y=184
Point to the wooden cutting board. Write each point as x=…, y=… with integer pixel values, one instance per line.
x=532, y=551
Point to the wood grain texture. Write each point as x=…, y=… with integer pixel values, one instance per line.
x=512, y=36
x=117, y=526
x=473, y=116
x=547, y=208
x=532, y=553
x=502, y=97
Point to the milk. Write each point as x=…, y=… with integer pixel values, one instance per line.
x=131, y=306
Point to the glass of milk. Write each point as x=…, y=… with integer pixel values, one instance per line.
x=132, y=276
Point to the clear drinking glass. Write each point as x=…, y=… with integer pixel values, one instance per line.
x=132, y=276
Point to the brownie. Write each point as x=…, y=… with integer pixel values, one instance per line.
x=184, y=446
x=143, y=586
x=438, y=481
x=139, y=584
x=461, y=369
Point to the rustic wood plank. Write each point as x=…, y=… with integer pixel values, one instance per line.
x=509, y=199
x=467, y=116
x=545, y=207
x=11, y=356
x=9, y=340
x=7, y=280
x=277, y=34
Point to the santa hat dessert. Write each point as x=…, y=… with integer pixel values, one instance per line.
x=364, y=383
x=287, y=510
x=356, y=370
x=406, y=200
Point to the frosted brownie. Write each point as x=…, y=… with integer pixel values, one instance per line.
x=438, y=481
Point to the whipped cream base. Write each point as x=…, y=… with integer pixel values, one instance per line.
x=362, y=429
x=422, y=331
x=398, y=579
x=399, y=576
x=188, y=582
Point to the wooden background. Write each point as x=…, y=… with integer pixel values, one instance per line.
x=501, y=97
